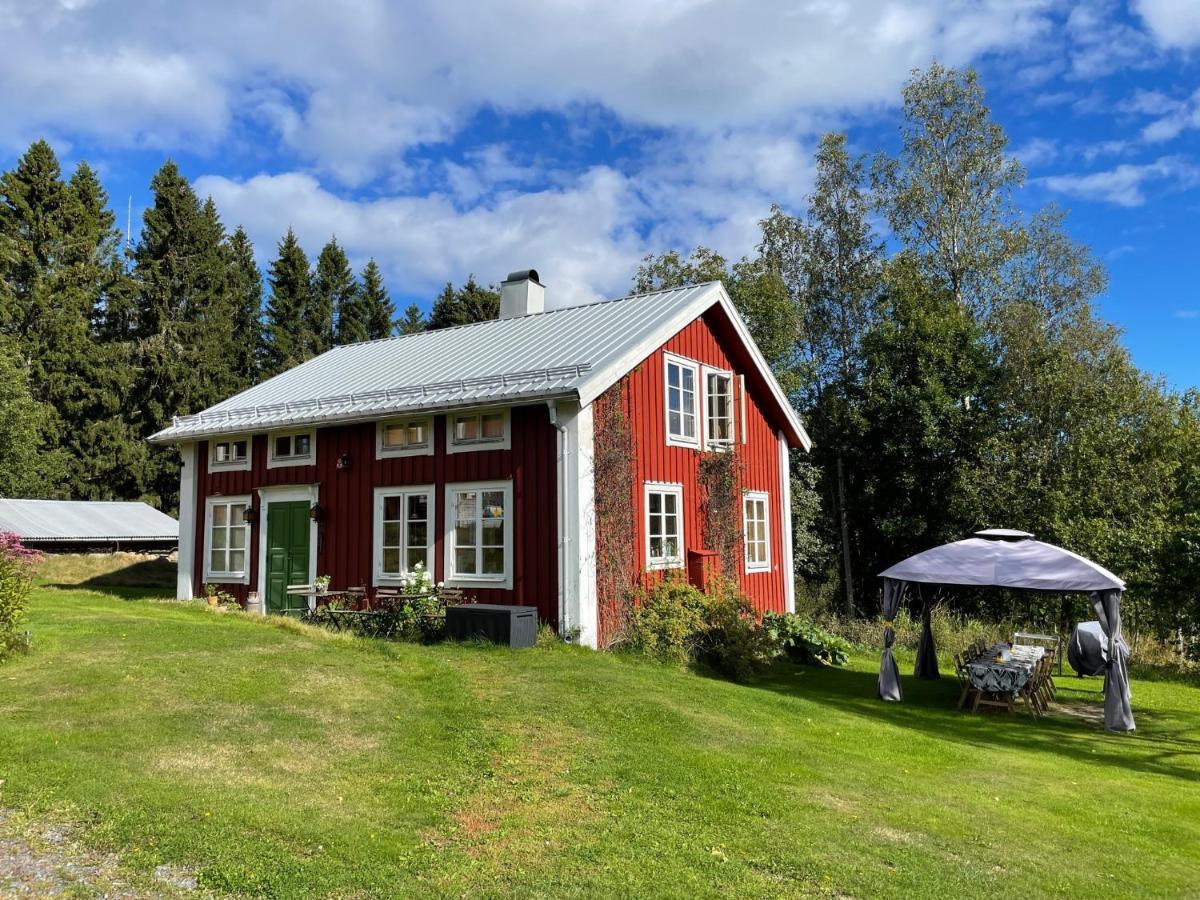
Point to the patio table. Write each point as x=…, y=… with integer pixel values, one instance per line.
x=1002, y=669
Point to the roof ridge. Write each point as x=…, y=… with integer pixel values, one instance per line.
x=546, y=312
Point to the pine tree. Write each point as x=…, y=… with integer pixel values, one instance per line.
x=381, y=313
x=413, y=320
x=245, y=297
x=465, y=305
x=286, y=340
x=334, y=295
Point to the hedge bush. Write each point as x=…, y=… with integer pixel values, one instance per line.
x=17, y=567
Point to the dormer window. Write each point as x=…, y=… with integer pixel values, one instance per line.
x=291, y=448
x=482, y=430
x=229, y=454
x=404, y=437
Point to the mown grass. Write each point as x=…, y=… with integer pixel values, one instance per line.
x=282, y=761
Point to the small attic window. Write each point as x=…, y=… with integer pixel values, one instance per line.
x=292, y=448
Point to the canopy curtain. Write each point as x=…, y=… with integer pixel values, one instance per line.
x=889, y=673
x=927, y=664
x=1118, y=714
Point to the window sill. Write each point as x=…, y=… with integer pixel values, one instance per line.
x=663, y=565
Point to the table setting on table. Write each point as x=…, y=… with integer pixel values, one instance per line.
x=1002, y=669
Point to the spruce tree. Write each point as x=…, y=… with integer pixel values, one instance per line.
x=413, y=320
x=381, y=313
x=245, y=297
x=334, y=295
x=465, y=305
x=286, y=341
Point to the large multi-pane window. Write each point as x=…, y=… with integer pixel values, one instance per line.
x=225, y=526
x=755, y=531
x=479, y=533
x=405, y=437
x=664, y=526
x=403, y=531
x=718, y=403
x=681, y=377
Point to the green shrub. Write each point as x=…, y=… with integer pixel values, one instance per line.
x=806, y=642
x=17, y=567
x=668, y=620
x=732, y=641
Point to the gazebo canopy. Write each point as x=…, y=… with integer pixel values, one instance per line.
x=1001, y=557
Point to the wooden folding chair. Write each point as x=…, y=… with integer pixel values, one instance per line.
x=964, y=681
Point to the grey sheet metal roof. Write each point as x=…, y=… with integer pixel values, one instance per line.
x=577, y=351
x=85, y=520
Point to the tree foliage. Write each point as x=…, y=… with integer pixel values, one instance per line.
x=464, y=306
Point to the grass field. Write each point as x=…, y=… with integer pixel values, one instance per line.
x=272, y=759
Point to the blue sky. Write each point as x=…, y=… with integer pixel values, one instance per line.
x=446, y=139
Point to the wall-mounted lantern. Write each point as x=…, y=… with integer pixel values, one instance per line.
x=249, y=515
x=343, y=461
x=315, y=512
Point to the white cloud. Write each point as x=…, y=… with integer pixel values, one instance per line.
x=1174, y=23
x=1123, y=185
x=1187, y=313
x=1037, y=152
x=1101, y=43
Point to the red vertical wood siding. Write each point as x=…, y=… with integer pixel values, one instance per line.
x=709, y=341
x=345, y=538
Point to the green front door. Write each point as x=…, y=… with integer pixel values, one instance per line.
x=287, y=555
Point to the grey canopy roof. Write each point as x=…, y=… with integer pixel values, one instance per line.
x=576, y=352
x=1003, y=558
x=62, y=521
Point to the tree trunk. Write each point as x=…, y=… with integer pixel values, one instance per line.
x=847, y=574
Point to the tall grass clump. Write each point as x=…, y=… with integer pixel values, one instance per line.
x=18, y=564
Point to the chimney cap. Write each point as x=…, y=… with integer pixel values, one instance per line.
x=522, y=275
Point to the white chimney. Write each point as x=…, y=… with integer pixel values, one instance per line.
x=521, y=294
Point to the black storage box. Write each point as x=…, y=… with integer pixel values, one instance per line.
x=511, y=626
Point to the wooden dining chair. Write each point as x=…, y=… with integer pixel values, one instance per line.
x=964, y=681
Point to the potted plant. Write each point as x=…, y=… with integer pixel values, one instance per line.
x=211, y=591
x=322, y=583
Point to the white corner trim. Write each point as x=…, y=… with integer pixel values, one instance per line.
x=382, y=452
x=452, y=579
x=504, y=443
x=674, y=359
x=186, y=557
x=238, y=466
x=404, y=490
x=664, y=487
x=578, y=603
x=765, y=499
x=224, y=577
x=288, y=462
x=285, y=493
x=785, y=513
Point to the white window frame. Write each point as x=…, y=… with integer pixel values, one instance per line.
x=670, y=359
x=764, y=498
x=711, y=443
x=284, y=462
x=382, y=451
x=237, y=465
x=218, y=577
x=452, y=577
x=403, y=491
x=676, y=490
x=501, y=443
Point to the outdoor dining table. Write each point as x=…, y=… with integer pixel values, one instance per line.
x=1002, y=669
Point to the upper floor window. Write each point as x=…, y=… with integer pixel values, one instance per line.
x=755, y=531
x=718, y=408
x=664, y=526
x=229, y=454
x=478, y=430
x=681, y=380
x=479, y=533
x=404, y=437
x=291, y=448
x=225, y=530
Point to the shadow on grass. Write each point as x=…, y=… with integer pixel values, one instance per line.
x=119, y=591
x=1161, y=745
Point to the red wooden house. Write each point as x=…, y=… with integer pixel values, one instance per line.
x=469, y=451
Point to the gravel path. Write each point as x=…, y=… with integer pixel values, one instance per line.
x=41, y=860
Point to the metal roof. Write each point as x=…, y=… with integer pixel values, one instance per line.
x=578, y=351
x=85, y=520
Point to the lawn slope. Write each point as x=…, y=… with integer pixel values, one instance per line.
x=282, y=761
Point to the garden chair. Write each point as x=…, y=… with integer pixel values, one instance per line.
x=964, y=681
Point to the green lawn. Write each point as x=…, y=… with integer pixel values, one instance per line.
x=278, y=760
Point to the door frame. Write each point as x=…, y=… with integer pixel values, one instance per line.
x=285, y=493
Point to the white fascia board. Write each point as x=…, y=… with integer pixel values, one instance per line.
x=578, y=604
x=785, y=539
x=186, y=557
x=601, y=380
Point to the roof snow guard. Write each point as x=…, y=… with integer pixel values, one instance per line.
x=573, y=353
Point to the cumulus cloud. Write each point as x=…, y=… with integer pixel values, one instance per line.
x=1174, y=23
x=1124, y=185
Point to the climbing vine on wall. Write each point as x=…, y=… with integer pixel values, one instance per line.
x=616, y=532
x=720, y=478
